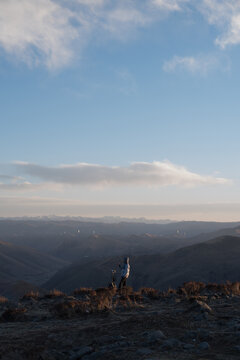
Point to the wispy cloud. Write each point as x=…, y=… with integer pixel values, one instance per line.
x=8, y=178
x=21, y=187
x=225, y=14
x=9, y=183
x=53, y=32
x=37, y=31
x=170, y=5
x=155, y=174
x=200, y=64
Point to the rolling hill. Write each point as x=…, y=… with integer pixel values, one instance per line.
x=216, y=260
x=22, y=263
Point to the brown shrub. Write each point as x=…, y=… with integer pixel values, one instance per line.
x=31, y=295
x=16, y=314
x=70, y=308
x=103, y=300
x=54, y=293
x=150, y=293
x=225, y=289
x=100, y=299
x=84, y=291
x=136, y=297
x=170, y=291
x=191, y=288
x=3, y=300
x=236, y=288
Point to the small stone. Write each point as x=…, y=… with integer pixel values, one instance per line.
x=188, y=347
x=93, y=356
x=104, y=339
x=204, y=346
x=189, y=335
x=80, y=352
x=170, y=344
x=154, y=336
x=144, y=351
x=203, y=334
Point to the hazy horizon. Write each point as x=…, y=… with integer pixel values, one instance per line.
x=199, y=212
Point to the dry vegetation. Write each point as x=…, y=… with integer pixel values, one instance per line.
x=87, y=301
x=150, y=292
x=31, y=295
x=54, y=293
x=84, y=291
x=194, y=288
x=13, y=314
x=195, y=321
x=3, y=300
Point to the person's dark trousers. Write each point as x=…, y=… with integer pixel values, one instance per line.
x=122, y=283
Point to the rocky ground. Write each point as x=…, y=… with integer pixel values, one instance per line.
x=196, y=321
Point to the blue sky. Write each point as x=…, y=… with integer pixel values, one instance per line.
x=108, y=104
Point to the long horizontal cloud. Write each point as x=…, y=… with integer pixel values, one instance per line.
x=137, y=174
x=59, y=29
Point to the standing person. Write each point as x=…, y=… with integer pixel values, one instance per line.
x=125, y=271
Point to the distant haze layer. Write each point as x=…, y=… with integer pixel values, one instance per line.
x=41, y=207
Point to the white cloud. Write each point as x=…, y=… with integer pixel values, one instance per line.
x=226, y=15
x=155, y=174
x=4, y=177
x=21, y=187
x=53, y=32
x=9, y=183
x=170, y=5
x=198, y=64
x=37, y=31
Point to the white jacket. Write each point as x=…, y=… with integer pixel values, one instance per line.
x=125, y=271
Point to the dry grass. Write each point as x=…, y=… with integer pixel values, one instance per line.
x=169, y=292
x=3, y=300
x=151, y=293
x=103, y=299
x=225, y=289
x=16, y=314
x=195, y=288
x=70, y=308
x=84, y=291
x=191, y=288
x=99, y=300
x=54, y=293
x=31, y=295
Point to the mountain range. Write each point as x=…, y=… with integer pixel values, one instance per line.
x=216, y=260
x=68, y=254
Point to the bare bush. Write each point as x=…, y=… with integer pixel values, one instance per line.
x=150, y=293
x=3, y=300
x=84, y=291
x=191, y=288
x=31, y=295
x=15, y=314
x=54, y=293
x=69, y=308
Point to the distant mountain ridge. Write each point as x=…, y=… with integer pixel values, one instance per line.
x=104, y=219
x=25, y=264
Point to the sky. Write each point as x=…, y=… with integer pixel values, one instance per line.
x=120, y=108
